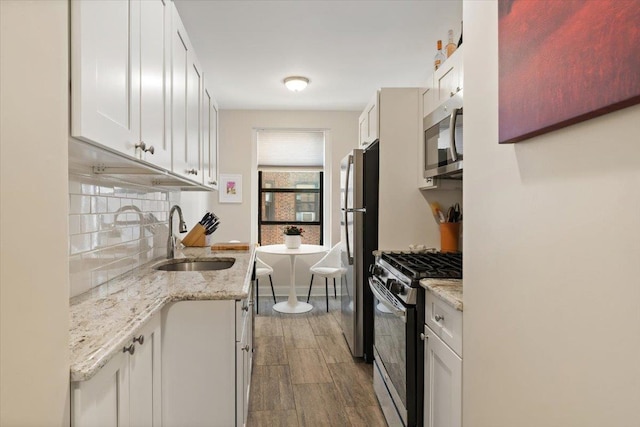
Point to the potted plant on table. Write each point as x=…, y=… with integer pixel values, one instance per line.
x=293, y=236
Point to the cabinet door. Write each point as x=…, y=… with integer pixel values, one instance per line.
x=368, y=124
x=145, y=377
x=442, y=383
x=448, y=78
x=372, y=119
x=102, y=400
x=429, y=99
x=240, y=361
x=155, y=24
x=186, y=83
x=194, y=102
x=363, y=129
x=105, y=70
x=198, y=363
x=210, y=141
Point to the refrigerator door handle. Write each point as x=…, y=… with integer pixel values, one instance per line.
x=346, y=210
x=361, y=210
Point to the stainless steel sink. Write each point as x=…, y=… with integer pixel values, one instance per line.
x=196, y=264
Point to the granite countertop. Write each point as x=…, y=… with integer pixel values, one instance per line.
x=448, y=290
x=110, y=315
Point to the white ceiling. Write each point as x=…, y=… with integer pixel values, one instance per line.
x=346, y=48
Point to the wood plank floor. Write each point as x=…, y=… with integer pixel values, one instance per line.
x=303, y=372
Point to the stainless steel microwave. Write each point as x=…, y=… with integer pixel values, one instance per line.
x=443, y=147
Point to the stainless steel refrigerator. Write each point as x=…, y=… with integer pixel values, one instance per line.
x=359, y=174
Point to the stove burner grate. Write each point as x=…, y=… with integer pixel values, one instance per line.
x=421, y=265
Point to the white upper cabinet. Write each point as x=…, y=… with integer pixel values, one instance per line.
x=210, y=141
x=444, y=82
x=105, y=73
x=155, y=83
x=137, y=87
x=368, y=123
x=448, y=78
x=186, y=95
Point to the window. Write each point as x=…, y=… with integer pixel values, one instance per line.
x=290, y=185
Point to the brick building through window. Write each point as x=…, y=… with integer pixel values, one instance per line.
x=290, y=198
x=290, y=185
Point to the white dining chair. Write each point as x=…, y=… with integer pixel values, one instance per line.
x=329, y=267
x=263, y=269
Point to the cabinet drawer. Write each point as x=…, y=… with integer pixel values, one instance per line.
x=445, y=321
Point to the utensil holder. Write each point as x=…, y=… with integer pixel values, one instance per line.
x=197, y=237
x=449, y=236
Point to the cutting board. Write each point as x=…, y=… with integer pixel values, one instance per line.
x=226, y=246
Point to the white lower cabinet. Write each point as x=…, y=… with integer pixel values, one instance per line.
x=244, y=356
x=126, y=391
x=188, y=366
x=442, y=383
x=442, y=364
x=207, y=354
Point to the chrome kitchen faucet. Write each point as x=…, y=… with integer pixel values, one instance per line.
x=182, y=228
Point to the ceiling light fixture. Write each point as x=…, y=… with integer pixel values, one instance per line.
x=296, y=83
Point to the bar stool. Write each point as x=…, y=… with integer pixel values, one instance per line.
x=263, y=269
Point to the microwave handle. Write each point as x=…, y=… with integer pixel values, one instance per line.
x=452, y=134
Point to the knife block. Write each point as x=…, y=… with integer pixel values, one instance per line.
x=196, y=237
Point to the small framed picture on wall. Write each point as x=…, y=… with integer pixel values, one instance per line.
x=230, y=189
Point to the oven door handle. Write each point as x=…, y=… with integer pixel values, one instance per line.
x=385, y=301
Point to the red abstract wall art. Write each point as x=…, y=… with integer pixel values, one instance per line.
x=565, y=61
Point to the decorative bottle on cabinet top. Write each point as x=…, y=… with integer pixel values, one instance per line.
x=440, y=56
x=451, y=46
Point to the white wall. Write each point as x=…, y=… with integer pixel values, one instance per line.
x=34, y=284
x=237, y=156
x=552, y=261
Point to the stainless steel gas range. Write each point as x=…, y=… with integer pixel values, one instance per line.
x=394, y=280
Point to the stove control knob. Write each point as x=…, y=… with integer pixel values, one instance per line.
x=375, y=270
x=395, y=287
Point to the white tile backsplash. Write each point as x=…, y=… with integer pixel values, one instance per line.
x=113, y=229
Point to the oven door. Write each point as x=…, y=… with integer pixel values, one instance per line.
x=390, y=343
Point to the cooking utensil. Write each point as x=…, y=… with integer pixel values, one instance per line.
x=451, y=215
x=454, y=214
x=435, y=208
x=457, y=212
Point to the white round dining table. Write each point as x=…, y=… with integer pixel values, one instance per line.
x=292, y=305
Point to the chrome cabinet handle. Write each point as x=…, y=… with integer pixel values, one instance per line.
x=423, y=336
x=213, y=182
x=130, y=349
x=139, y=339
x=451, y=94
x=141, y=145
x=192, y=172
x=439, y=318
x=245, y=308
x=245, y=348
